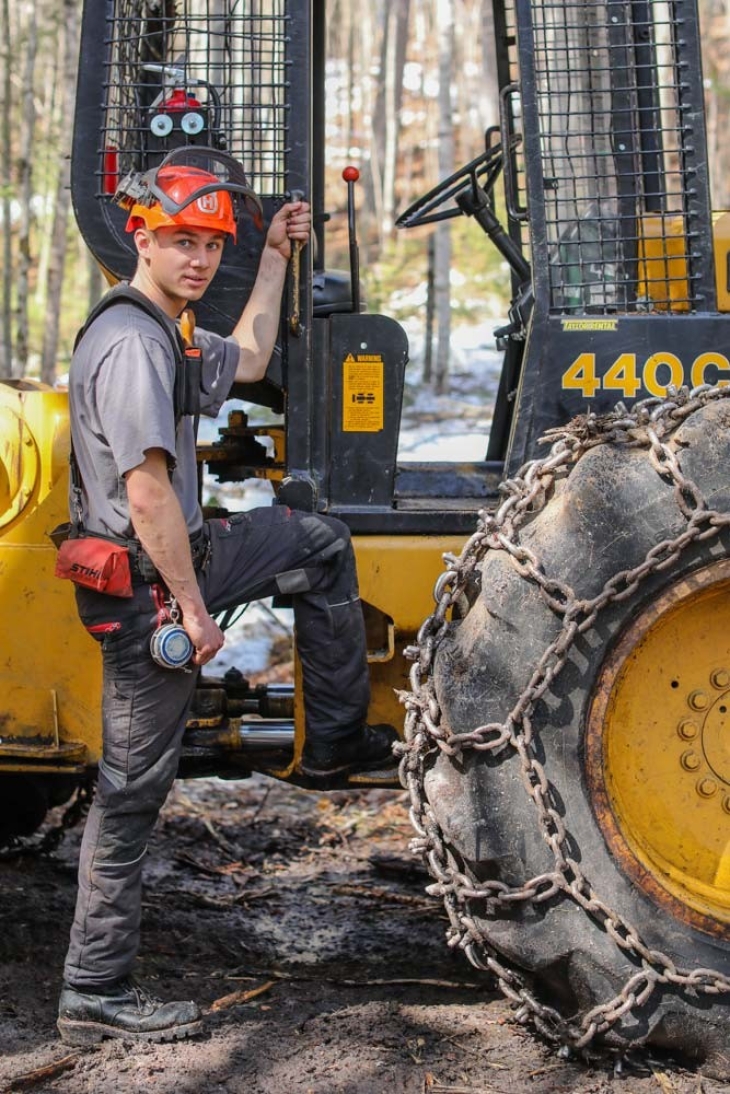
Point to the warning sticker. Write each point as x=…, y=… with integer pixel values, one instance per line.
x=362, y=393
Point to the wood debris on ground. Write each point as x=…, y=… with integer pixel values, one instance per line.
x=38, y=1075
x=431, y=1085
x=236, y=998
x=481, y=1053
x=374, y=892
x=374, y=982
x=663, y=1081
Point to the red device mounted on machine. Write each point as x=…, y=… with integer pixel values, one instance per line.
x=181, y=110
x=177, y=120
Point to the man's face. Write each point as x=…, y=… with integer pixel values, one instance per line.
x=181, y=261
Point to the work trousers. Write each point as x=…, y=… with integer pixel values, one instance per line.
x=255, y=554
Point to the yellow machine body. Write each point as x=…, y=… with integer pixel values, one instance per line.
x=663, y=265
x=50, y=668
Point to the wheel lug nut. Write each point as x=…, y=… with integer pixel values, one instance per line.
x=690, y=760
x=687, y=729
x=698, y=700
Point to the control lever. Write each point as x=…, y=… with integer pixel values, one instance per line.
x=351, y=175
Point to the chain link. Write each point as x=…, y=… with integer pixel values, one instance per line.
x=649, y=425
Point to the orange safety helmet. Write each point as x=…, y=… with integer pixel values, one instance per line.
x=212, y=209
x=194, y=186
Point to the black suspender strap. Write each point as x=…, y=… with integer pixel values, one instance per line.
x=186, y=391
x=188, y=364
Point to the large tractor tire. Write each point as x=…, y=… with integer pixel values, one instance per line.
x=568, y=734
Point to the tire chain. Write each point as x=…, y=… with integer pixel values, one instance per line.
x=48, y=841
x=650, y=425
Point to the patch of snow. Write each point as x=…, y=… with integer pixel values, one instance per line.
x=249, y=639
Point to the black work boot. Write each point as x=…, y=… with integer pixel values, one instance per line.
x=125, y=1011
x=369, y=748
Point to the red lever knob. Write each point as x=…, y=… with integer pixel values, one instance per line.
x=351, y=174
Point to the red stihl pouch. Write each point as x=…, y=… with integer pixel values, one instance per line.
x=96, y=564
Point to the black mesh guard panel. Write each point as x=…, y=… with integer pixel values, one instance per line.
x=616, y=162
x=157, y=75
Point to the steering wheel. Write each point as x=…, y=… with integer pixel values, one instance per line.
x=481, y=173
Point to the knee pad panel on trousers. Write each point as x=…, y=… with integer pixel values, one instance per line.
x=331, y=563
x=327, y=536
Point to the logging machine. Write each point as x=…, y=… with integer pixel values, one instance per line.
x=568, y=698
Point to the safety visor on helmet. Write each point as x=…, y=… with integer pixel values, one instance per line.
x=228, y=175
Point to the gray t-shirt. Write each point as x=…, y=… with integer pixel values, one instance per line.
x=121, y=400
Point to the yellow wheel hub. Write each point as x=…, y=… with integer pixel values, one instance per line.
x=658, y=749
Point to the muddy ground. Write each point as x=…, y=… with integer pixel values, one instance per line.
x=299, y=921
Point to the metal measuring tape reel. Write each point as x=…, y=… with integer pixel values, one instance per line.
x=171, y=647
x=170, y=644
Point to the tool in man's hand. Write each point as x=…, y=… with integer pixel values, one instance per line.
x=294, y=316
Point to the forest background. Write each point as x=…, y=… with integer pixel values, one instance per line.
x=411, y=89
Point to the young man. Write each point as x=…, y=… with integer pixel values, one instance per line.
x=137, y=481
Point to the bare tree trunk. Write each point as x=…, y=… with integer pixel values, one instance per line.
x=351, y=59
x=428, y=340
x=6, y=160
x=716, y=66
x=44, y=165
x=364, y=35
x=386, y=122
x=25, y=185
x=96, y=281
x=490, y=81
x=721, y=158
x=442, y=287
x=62, y=204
